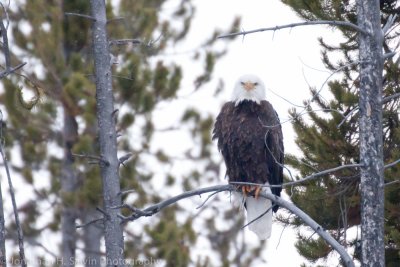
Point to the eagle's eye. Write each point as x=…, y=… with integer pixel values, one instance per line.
x=242, y=83
x=256, y=83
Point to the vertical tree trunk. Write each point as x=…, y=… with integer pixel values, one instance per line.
x=69, y=182
x=371, y=143
x=107, y=136
x=2, y=222
x=92, y=235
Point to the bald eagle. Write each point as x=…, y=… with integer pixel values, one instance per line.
x=250, y=139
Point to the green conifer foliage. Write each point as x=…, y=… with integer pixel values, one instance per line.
x=55, y=136
x=330, y=138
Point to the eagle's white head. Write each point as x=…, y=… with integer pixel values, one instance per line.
x=248, y=87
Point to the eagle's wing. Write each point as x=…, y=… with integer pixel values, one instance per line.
x=273, y=146
x=221, y=131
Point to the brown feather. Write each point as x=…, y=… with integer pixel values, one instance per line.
x=251, y=142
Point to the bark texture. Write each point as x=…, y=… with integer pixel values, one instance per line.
x=69, y=183
x=371, y=143
x=91, y=237
x=109, y=163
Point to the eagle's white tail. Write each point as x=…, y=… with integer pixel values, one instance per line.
x=260, y=225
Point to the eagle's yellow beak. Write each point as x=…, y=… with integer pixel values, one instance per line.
x=248, y=86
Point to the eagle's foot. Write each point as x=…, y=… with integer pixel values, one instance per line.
x=246, y=189
x=257, y=192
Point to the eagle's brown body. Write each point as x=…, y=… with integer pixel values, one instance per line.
x=250, y=140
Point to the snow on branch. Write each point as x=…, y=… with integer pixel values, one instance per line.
x=292, y=25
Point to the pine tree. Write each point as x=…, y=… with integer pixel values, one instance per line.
x=331, y=139
x=55, y=132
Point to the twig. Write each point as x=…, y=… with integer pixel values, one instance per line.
x=389, y=23
x=89, y=223
x=258, y=217
x=127, y=192
x=292, y=25
x=388, y=98
x=96, y=159
x=284, y=227
x=103, y=212
x=124, y=42
x=115, y=19
x=389, y=55
x=384, y=101
x=208, y=197
x=124, y=158
x=11, y=70
x=305, y=179
x=14, y=204
x=392, y=182
x=149, y=211
x=80, y=15
x=391, y=164
x=285, y=99
x=347, y=116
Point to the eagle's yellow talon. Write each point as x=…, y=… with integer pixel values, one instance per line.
x=244, y=191
x=257, y=193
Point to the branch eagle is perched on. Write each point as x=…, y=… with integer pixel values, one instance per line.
x=250, y=139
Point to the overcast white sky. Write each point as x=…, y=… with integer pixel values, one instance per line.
x=288, y=61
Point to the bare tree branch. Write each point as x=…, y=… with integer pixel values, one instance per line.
x=14, y=203
x=150, y=211
x=316, y=175
x=292, y=25
x=90, y=222
x=94, y=159
x=277, y=200
x=389, y=165
x=305, y=179
x=80, y=15
x=11, y=70
x=6, y=50
x=124, y=158
x=124, y=42
x=384, y=101
x=392, y=182
x=389, y=23
x=390, y=97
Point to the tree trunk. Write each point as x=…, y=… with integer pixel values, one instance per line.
x=371, y=143
x=92, y=235
x=2, y=224
x=69, y=183
x=109, y=163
